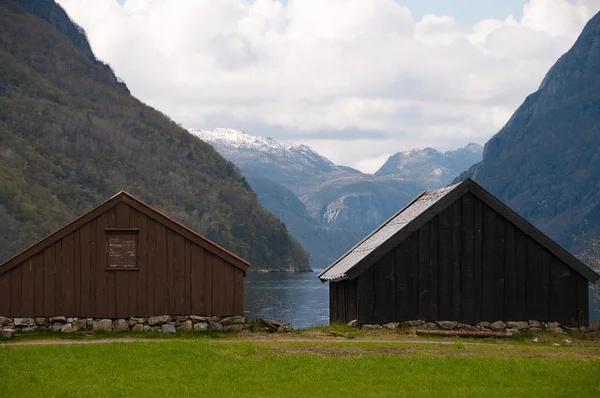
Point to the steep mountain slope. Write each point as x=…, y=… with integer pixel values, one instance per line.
x=71, y=136
x=545, y=163
x=429, y=166
x=324, y=244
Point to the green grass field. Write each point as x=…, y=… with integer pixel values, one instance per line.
x=236, y=367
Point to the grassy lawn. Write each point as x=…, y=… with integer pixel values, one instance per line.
x=230, y=367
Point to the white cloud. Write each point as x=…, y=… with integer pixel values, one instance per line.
x=345, y=67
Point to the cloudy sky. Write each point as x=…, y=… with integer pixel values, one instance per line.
x=358, y=80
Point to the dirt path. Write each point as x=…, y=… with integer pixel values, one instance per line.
x=241, y=340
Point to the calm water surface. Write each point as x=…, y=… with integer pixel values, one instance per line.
x=300, y=299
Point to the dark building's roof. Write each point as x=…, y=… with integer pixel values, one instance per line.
x=418, y=213
x=142, y=207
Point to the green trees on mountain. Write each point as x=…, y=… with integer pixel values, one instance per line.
x=70, y=138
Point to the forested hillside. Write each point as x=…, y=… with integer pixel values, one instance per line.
x=71, y=136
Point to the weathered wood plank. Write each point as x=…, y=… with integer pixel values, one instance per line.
x=133, y=276
x=161, y=282
x=58, y=280
x=402, y=266
x=366, y=296
x=170, y=270
x=67, y=275
x=467, y=259
x=583, y=312
x=111, y=277
x=536, y=305
x=456, y=267
x=93, y=267
x=384, y=286
x=511, y=303
x=229, y=289
x=38, y=269
x=198, y=283
x=150, y=292
x=544, y=293
x=179, y=274
x=208, y=283
x=333, y=303
x=218, y=292
x=434, y=269
x=424, y=303
x=563, y=293
x=77, y=272
x=477, y=257
x=187, y=288
x=498, y=272
x=489, y=284
x=49, y=275
x=86, y=271
x=5, y=302
x=238, y=299
x=446, y=262
x=521, y=274
x=16, y=291
x=28, y=288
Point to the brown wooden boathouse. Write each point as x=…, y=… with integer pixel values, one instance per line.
x=123, y=259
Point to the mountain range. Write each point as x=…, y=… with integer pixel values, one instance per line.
x=329, y=207
x=71, y=136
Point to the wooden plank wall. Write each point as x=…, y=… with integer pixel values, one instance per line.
x=468, y=264
x=70, y=277
x=342, y=301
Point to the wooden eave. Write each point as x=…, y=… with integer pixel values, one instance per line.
x=124, y=197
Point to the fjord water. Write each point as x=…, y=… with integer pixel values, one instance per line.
x=298, y=298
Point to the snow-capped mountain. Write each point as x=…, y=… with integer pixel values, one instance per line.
x=295, y=166
x=430, y=166
x=336, y=205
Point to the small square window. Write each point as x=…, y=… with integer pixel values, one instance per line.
x=122, y=250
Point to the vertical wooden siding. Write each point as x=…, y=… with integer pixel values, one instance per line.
x=175, y=277
x=468, y=264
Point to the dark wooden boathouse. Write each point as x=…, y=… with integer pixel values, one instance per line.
x=458, y=254
x=123, y=259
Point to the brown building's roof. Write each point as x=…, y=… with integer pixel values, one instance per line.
x=140, y=206
x=422, y=210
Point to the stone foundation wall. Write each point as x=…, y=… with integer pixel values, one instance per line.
x=163, y=324
x=498, y=326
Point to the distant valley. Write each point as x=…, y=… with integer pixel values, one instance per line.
x=327, y=207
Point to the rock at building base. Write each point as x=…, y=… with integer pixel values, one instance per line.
x=216, y=326
x=353, y=323
x=371, y=327
x=535, y=324
x=121, y=325
x=498, y=325
x=57, y=319
x=42, y=321
x=447, y=325
x=137, y=328
x=159, y=320
x=67, y=328
x=4, y=321
x=197, y=318
x=553, y=325
x=6, y=334
x=391, y=325
x=187, y=325
x=103, y=325
x=512, y=331
x=24, y=322
x=137, y=321
x=201, y=327
x=233, y=320
x=431, y=326
x=467, y=327
x=168, y=328
x=518, y=325
x=412, y=324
